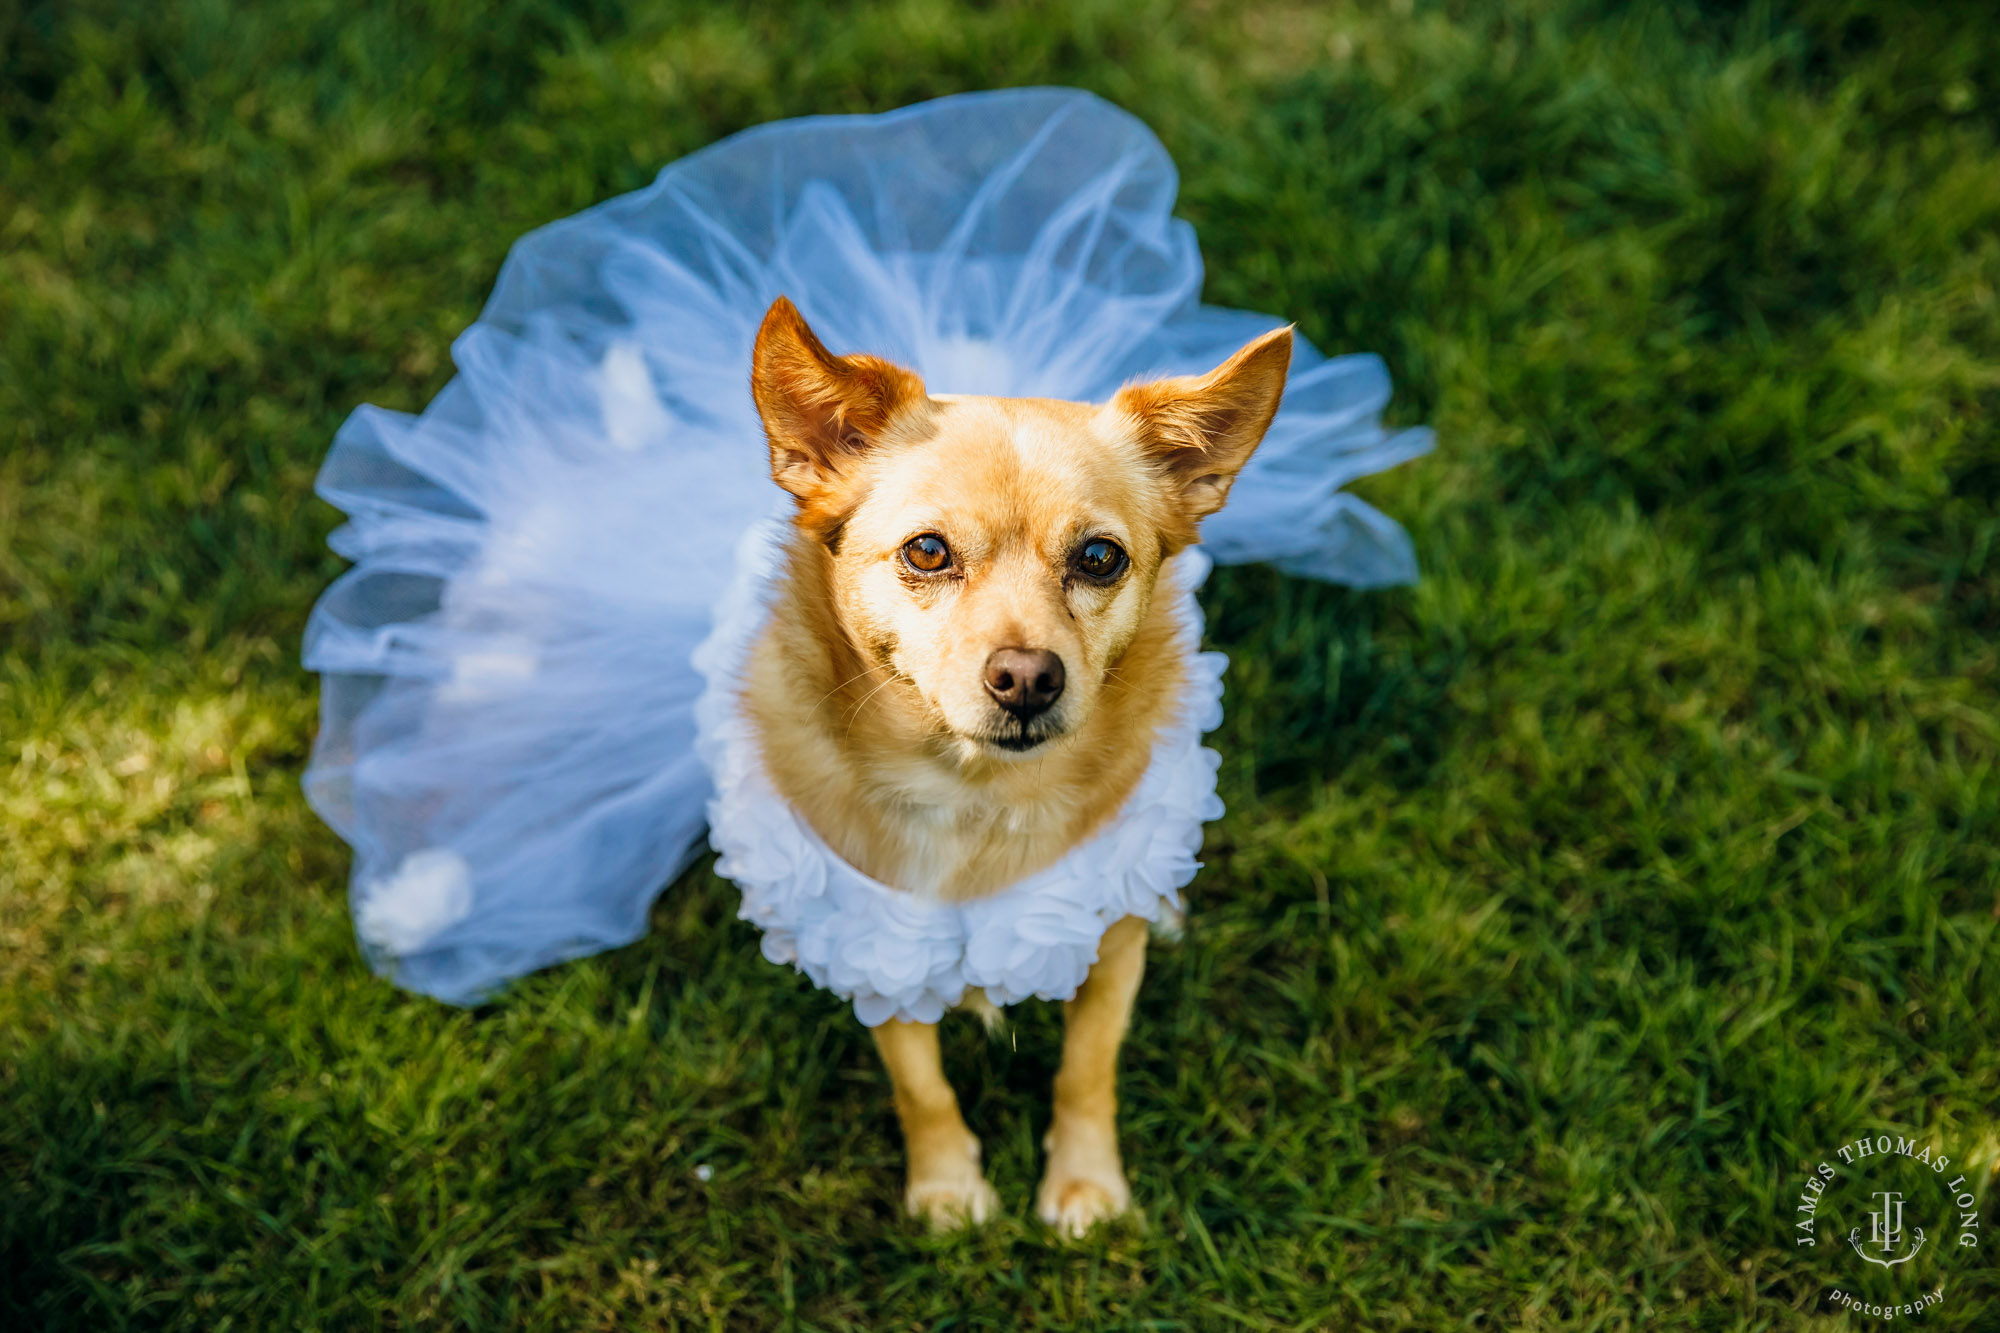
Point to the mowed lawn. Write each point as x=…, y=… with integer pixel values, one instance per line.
x=1569, y=904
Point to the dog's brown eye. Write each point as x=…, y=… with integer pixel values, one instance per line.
x=927, y=554
x=1101, y=559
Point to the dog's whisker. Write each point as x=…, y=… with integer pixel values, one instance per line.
x=855, y=712
x=843, y=685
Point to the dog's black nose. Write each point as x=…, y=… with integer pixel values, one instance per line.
x=1024, y=681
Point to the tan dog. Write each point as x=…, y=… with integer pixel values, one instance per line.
x=965, y=668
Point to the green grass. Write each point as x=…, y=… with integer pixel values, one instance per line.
x=1568, y=904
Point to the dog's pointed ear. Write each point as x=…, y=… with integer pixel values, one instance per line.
x=1201, y=429
x=821, y=412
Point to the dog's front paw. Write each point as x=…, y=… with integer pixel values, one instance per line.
x=1074, y=1205
x=1085, y=1180
x=946, y=1187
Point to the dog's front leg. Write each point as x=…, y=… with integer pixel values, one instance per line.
x=1085, y=1179
x=945, y=1184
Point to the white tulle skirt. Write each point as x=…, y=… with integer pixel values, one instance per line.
x=508, y=737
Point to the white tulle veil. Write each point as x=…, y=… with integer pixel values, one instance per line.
x=508, y=736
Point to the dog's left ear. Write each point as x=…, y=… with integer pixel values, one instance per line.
x=1202, y=429
x=821, y=412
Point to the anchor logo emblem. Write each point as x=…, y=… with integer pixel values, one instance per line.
x=1885, y=1232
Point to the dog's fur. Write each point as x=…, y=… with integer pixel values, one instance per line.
x=869, y=689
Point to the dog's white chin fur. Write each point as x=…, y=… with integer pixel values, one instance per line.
x=972, y=748
x=969, y=745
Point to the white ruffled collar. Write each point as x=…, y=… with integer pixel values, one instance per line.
x=896, y=955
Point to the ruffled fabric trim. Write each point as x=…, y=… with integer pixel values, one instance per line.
x=891, y=953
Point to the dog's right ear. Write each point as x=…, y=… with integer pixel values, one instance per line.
x=821, y=412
